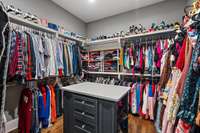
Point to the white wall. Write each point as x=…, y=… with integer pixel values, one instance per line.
x=47, y=9
x=170, y=11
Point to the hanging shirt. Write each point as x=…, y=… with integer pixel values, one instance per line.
x=145, y=99
x=25, y=111
x=59, y=57
x=44, y=106
x=53, y=105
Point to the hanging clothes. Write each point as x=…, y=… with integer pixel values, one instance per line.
x=188, y=106
x=25, y=111
x=44, y=106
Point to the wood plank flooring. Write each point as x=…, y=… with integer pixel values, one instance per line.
x=139, y=125
x=136, y=125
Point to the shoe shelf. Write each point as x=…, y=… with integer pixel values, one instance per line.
x=104, y=41
x=149, y=33
x=21, y=21
x=70, y=37
x=123, y=74
x=99, y=45
x=118, y=39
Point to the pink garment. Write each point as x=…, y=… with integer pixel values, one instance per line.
x=183, y=127
x=141, y=58
x=159, y=52
x=187, y=63
x=178, y=47
x=166, y=44
x=165, y=121
x=151, y=103
x=145, y=99
x=181, y=58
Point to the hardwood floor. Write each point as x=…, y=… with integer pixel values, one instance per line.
x=136, y=125
x=139, y=125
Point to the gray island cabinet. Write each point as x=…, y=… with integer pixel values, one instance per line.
x=95, y=108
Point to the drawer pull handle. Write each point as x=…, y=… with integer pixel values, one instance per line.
x=83, y=126
x=82, y=129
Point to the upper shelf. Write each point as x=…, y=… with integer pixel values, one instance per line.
x=123, y=74
x=27, y=23
x=117, y=39
x=149, y=33
x=70, y=37
x=104, y=41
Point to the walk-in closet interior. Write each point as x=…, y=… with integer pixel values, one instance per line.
x=100, y=66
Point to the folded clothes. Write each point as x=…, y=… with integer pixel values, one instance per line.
x=53, y=26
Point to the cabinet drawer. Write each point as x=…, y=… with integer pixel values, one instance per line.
x=87, y=102
x=85, y=116
x=83, y=127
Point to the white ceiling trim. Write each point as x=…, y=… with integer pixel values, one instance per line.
x=99, y=9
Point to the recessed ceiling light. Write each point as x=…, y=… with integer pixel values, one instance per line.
x=91, y=1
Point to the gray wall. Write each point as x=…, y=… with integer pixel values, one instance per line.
x=189, y=2
x=170, y=11
x=47, y=9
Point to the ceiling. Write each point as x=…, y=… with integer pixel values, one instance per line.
x=91, y=11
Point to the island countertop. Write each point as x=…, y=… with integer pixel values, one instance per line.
x=101, y=91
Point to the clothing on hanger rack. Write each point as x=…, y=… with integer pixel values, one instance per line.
x=39, y=106
x=35, y=55
x=179, y=92
x=144, y=57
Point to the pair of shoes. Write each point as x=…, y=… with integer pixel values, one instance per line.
x=18, y=12
x=133, y=29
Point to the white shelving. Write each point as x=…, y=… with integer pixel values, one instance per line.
x=27, y=23
x=104, y=41
x=124, y=74
x=149, y=33
x=117, y=39
x=104, y=73
x=12, y=125
x=70, y=37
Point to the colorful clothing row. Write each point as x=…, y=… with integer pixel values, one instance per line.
x=144, y=58
x=180, y=94
x=142, y=99
x=38, y=108
x=34, y=57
